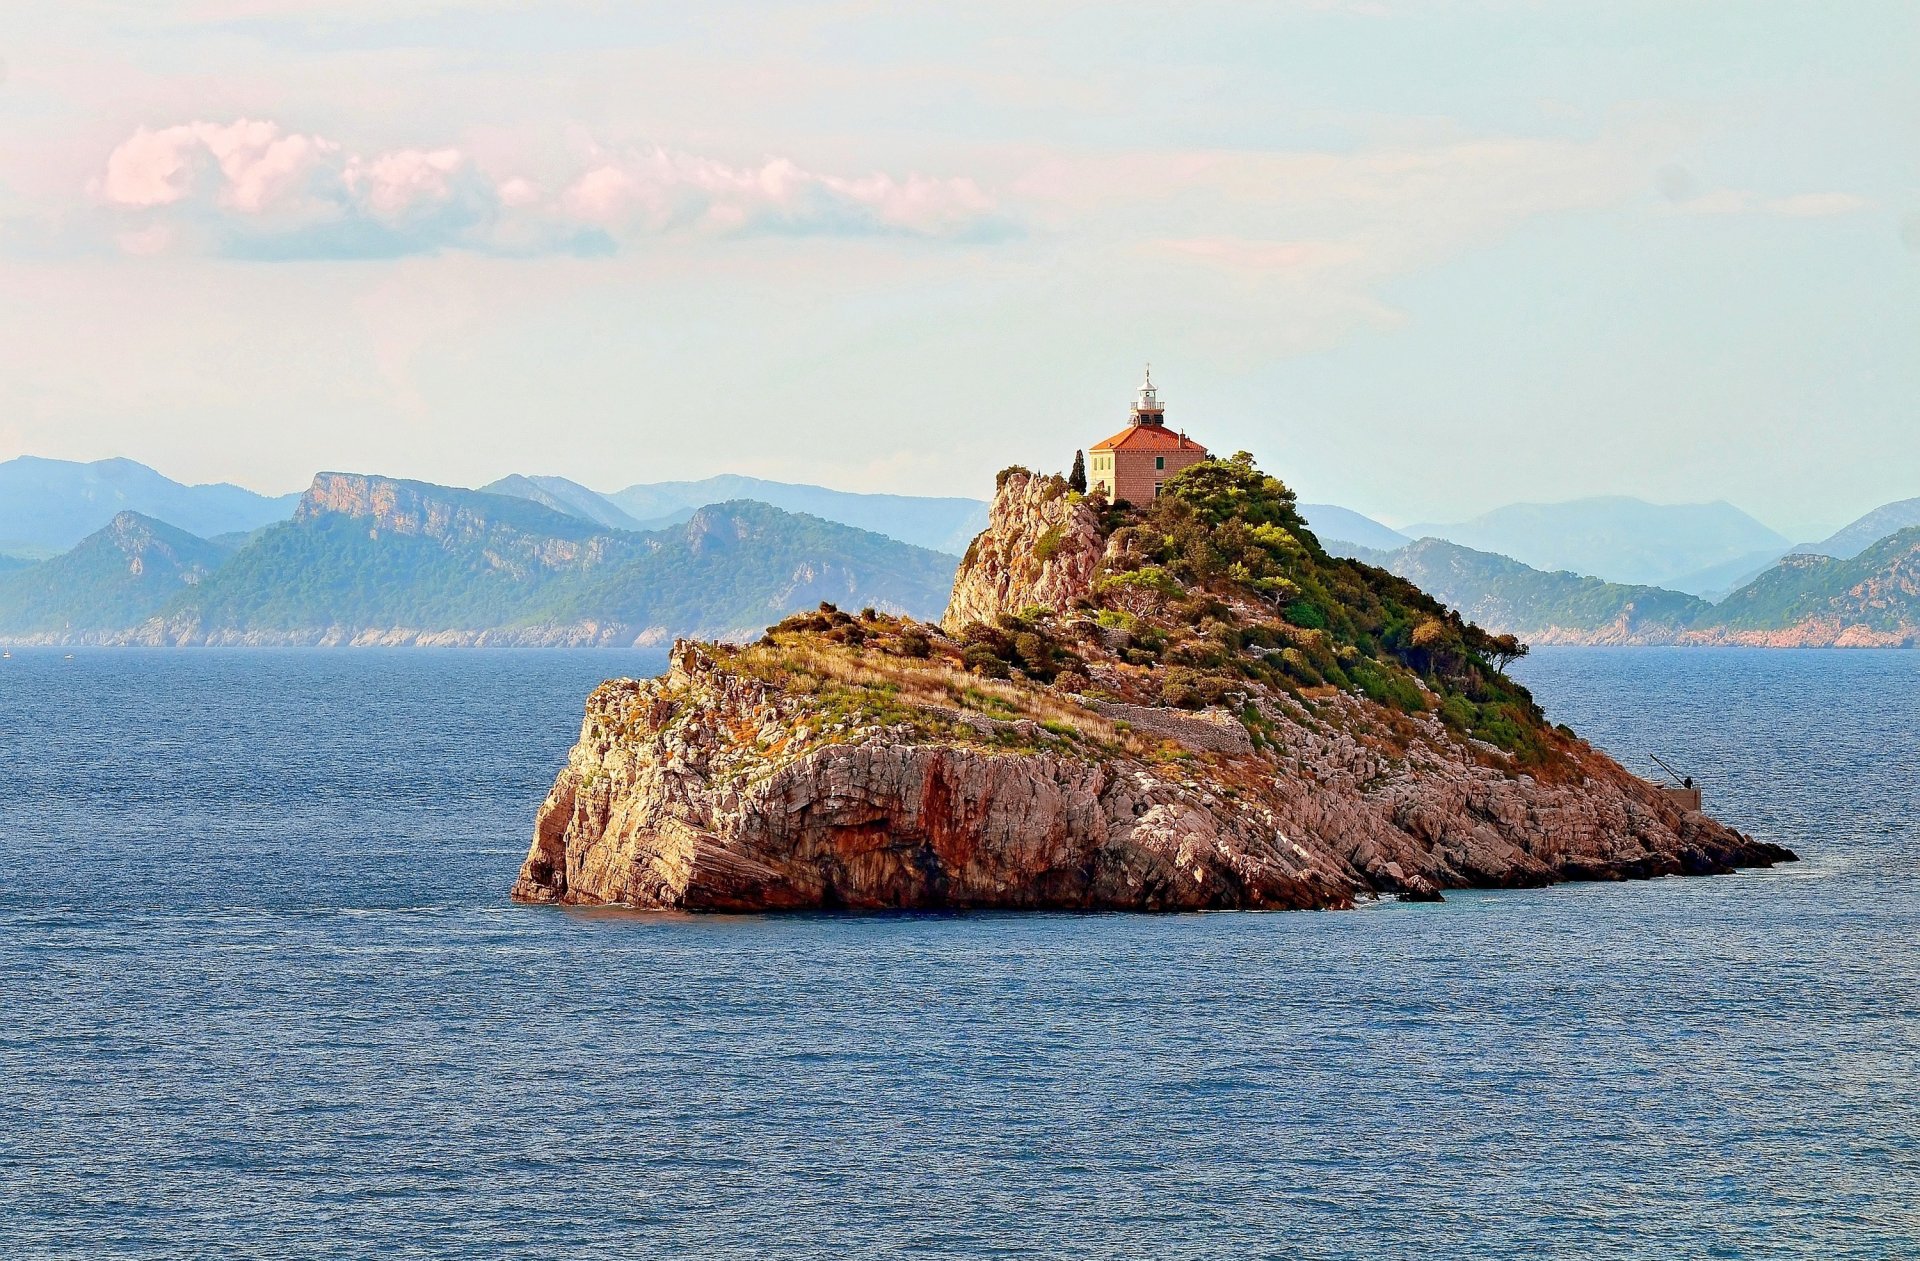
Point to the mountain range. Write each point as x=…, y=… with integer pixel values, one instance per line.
x=534, y=559
x=47, y=506
x=1803, y=600
x=941, y=524
x=1688, y=547
x=381, y=560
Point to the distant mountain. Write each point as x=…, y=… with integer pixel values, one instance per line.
x=1719, y=581
x=571, y=498
x=1505, y=596
x=378, y=560
x=1801, y=601
x=1715, y=582
x=117, y=576
x=1853, y=539
x=945, y=525
x=1617, y=538
x=47, y=506
x=1871, y=599
x=1330, y=521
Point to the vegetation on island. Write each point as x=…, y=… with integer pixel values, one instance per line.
x=1219, y=579
x=1207, y=596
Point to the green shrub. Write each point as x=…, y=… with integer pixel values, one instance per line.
x=981, y=659
x=1304, y=613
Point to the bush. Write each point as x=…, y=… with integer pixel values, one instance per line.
x=992, y=638
x=914, y=642
x=982, y=660
x=1305, y=613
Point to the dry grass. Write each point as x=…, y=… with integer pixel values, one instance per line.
x=896, y=688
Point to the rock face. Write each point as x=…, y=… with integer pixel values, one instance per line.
x=709, y=789
x=818, y=771
x=1041, y=547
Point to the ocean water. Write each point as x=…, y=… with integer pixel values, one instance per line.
x=262, y=993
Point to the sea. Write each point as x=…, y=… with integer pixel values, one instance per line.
x=262, y=994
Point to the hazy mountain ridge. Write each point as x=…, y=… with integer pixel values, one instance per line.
x=1617, y=537
x=119, y=575
x=48, y=506
x=382, y=560
x=566, y=496
x=1872, y=600
x=1858, y=535
x=940, y=524
x=536, y=560
x=1331, y=521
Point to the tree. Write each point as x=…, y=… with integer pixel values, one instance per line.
x=1077, y=480
x=1505, y=650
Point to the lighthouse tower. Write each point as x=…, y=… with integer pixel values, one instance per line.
x=1146, y=408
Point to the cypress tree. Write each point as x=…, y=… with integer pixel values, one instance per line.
x=1077, y=480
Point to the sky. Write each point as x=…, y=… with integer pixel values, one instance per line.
x=1422, y=257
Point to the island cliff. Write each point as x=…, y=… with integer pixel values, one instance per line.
x=1180, y=707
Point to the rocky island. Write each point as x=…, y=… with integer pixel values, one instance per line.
x=1184, y=705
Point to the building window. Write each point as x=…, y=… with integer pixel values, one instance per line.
x=1156, y=489
x=1159, y=462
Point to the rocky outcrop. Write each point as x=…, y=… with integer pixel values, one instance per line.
x=711, y=789
x=1042, y=546
x=867, y=763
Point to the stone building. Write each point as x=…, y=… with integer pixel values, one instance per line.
x=1134, y=463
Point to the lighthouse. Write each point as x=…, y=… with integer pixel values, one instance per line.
x=1135, y=463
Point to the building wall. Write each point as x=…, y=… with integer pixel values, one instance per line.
x=1133, y=475
x=1100, y=472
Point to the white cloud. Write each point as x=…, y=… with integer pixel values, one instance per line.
x=1685, y=197
x=656, y=191
x=251, y=188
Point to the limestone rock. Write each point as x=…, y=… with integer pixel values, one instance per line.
x=708, y=789
x=1042, y=546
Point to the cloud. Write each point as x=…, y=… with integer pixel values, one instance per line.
x=1684, y=196
x=252, y=189
x=657, y=191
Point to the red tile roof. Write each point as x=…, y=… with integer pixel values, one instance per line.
x=1148, y=438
